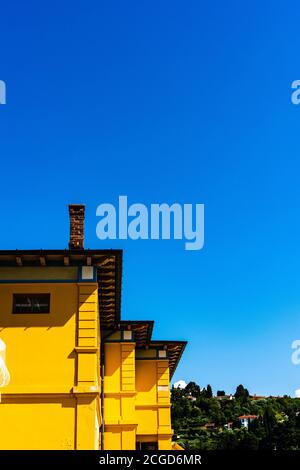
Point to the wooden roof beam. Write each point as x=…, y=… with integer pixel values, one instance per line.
x=19, y=261
x=43, y=261
x=107, y=260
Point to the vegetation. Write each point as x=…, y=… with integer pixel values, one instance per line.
x=203, y=422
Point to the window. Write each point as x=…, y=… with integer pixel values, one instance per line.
x=146, y=446
x=31, y=303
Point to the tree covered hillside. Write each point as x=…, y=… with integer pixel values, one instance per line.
x=202, y=421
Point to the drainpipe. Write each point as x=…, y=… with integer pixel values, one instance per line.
x=102, y=394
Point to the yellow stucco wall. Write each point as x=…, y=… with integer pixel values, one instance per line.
x=40, y=346
x=137, y=398
x=153, y=402
x=37, y=423
x=119, y=388
x=52, y=401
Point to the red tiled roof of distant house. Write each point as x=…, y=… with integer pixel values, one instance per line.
x=248, y=417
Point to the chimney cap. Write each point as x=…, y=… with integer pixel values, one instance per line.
x=76, y=206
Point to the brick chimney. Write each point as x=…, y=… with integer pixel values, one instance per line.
x=76, y=212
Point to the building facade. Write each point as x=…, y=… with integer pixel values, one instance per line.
x=80, y=377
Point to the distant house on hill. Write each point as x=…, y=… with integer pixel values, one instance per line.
x=190, y=397
x=209, y=426
x=225, y=397
x=245, y=420
x=228, y=425
x=257, y=397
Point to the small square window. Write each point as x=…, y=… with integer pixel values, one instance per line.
x=162, y=353
x=127, y=335
x=87, y=273
x=31, y=303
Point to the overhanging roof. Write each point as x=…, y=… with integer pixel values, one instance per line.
x=174, y=350
x=109, y=268
x=142, y=330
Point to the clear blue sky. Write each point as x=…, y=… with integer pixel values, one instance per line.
x=167, y=102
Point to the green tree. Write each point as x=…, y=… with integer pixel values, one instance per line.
x=241, y=393
x=277, y=426
x=192, y=389
x=209, y=392
x=269, y=419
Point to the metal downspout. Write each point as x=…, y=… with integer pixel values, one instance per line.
x=102, y=394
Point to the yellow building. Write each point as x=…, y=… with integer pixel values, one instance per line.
x=80, y=377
